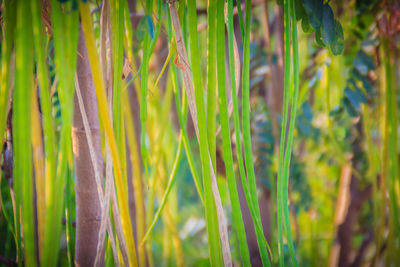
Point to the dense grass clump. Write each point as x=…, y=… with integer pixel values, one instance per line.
x=199, y=133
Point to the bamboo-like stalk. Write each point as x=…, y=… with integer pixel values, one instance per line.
x=102, y=101
x=88, y=207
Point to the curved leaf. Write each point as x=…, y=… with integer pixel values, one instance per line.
x=314, y=10
x=328, y=25
x=338, y=44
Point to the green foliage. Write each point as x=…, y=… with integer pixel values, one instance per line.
x=327, y=159
x=319, y=15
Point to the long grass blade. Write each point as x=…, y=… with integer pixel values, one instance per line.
x=289, y=145
x=8, y=33
x=196, y=108
x=6, y=83
x=286, y=143
x=211, y=79
x=45, y=104
x=233, y=73
x=390, y=157
x=38, y=164
x=226, y=139
x=144, y=87
x=23, y=179
x=65, y=27
x=248, y=155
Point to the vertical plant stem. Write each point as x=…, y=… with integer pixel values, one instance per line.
x=289, y=146
x=104, y=113
x=104, y=199
x=88, y=206
x=390, y=149
x=282, y=144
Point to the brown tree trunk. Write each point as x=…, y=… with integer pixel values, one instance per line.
x=88, y=208
x=348, y=210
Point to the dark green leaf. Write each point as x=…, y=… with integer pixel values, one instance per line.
x=338, y=44
x=318, y=38
x=360, y=66
x=305, y=25
x=300, y=12
x=314, y=10
x=356, y=97
x=336, y=111
x=303, y=125
x=366, y=59
x=307, y=111
x=328, y=25
x=349, y=108
x=366, y=83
